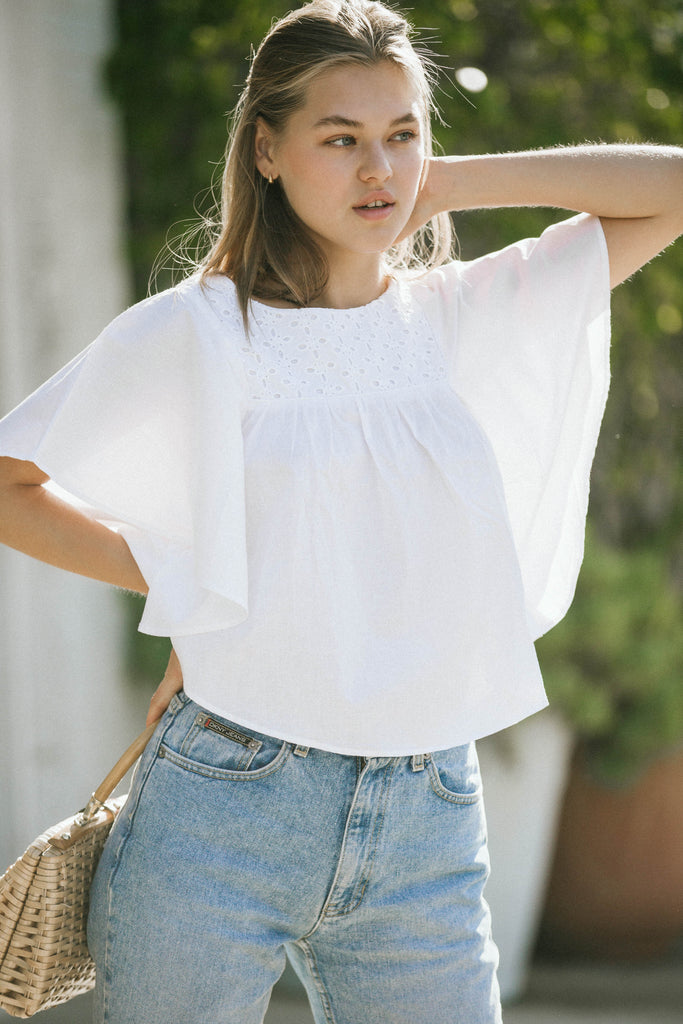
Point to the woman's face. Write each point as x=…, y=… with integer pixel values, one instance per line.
x=350, y=160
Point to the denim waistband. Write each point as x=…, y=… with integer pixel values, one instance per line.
x=181, y=700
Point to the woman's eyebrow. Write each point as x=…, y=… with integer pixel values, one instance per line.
x=339, y=121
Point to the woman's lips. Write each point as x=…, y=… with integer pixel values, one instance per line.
x=375, y=212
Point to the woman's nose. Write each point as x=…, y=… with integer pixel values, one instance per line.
x=375, y=164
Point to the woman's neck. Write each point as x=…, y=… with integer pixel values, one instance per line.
x=354, y=282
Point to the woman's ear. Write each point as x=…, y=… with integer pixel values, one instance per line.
x=264, y=150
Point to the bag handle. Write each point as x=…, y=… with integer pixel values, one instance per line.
x=109, y=784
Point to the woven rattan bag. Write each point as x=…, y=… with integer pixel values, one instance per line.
x=44, y=959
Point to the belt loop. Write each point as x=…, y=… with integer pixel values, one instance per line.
x=418, y=762
x=177, y=702
x=301, y=751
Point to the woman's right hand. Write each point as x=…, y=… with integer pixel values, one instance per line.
x=169, y=685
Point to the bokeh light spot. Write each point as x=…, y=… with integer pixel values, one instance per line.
x=472, y=79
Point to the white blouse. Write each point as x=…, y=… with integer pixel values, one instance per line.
x=353, y=523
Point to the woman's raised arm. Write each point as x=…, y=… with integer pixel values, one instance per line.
x=637, y=191
x=35, y=521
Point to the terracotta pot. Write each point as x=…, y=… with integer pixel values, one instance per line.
x=616, y=885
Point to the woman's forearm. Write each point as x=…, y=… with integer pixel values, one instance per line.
x=637, y=191
x=35, y=521
x=620, y=181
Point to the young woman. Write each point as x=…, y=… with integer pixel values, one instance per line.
x=351, y=477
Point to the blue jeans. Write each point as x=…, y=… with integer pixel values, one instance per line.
x=235, y=850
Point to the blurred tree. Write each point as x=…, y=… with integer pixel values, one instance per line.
x=554, y=72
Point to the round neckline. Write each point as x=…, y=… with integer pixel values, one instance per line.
x=258, y=308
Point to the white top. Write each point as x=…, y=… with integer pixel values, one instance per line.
x=353, y=523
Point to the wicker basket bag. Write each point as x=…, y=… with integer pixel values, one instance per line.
x=44, y=959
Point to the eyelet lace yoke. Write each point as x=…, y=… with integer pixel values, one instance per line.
x=317, y=352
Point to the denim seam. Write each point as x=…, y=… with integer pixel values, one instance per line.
x=340, y=861
x=308, y=953
x=366, y=869
x=130, y=813
x=226, y=774
x=374, y=841
x=464, y=799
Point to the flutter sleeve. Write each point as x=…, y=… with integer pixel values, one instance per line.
x=142, y=431
x=526, y=332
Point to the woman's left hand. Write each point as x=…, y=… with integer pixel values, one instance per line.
x=433, y=196
x=169, y=685
x=635, y=190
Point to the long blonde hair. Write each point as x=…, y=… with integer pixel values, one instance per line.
x=261, y=244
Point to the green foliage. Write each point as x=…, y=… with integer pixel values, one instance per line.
x=614, y=663
x=559, y=72
x=147, y=655
x=176, y=73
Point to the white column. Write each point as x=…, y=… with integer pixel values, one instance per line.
x=66, y=710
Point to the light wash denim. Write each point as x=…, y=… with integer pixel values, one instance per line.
x=236, y=850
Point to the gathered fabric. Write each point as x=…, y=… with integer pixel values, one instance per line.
x=353, y=523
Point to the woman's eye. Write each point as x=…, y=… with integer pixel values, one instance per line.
x=406, y=136
x=342, y=141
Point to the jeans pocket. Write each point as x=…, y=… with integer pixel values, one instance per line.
x=454, y=774
x=212, y=746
